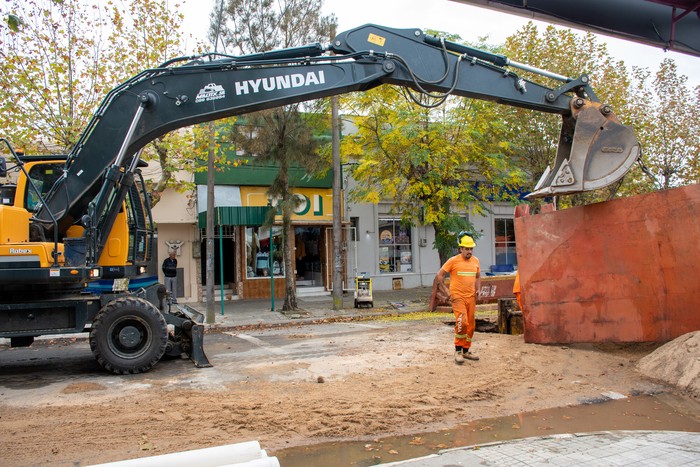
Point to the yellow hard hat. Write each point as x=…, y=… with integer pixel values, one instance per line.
x=465, y=241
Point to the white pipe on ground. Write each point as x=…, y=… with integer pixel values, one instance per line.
x=265, y=462
x=230, y=454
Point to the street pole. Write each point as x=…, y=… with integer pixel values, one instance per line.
x=337, y=215
x=210, y=318
x=210, y=227
x=221, y=263
x=272, y=272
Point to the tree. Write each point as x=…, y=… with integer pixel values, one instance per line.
x=145, y=34
x=248, y=26
x=667, y=129
x=53, y=74
x=533, y=136
x=435, y=165
x=61, y=58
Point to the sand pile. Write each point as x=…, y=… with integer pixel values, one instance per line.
x=677, y=363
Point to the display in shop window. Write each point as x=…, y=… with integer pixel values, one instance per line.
x=384, y=260
x=385, y=237
x=258, y=261
x=403, y=237
x=395, y=247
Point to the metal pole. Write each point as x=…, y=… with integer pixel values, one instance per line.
x=272, y=272
x=221, y=264
x=337, y=215
x=210, y=227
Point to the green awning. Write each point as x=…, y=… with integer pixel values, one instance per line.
x=236, y=215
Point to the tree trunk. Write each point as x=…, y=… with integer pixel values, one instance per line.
x=290, y=296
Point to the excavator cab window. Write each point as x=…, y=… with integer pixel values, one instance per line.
x=43, y=175
x=139, y=219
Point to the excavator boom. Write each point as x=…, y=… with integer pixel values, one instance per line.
x=595, y=150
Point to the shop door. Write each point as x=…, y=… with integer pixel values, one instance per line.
x=308, y=244
x=224, y=250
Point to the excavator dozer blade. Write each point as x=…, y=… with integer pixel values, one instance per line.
x=192, y=337
x=595, y=150
x=197, y=355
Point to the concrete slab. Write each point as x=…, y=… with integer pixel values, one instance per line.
x=645, y=448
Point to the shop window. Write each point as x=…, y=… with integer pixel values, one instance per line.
x=505, y=242
x=395, y=247
x=257, y=251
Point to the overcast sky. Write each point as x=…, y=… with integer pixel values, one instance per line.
x=444, y=15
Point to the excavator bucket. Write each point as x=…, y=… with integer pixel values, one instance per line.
x=595, y=150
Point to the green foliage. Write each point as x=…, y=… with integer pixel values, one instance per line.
x=436, y=165
x=53, y=75
x=144, y=34
x=667, y=128
x=249, y=26
x=14, y=22
x=62, y=57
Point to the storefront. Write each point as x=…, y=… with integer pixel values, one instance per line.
x=256, y=254
x=399, y=254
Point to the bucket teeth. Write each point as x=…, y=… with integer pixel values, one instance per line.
x=602, y=151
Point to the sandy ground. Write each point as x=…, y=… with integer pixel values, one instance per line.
x=393, y=381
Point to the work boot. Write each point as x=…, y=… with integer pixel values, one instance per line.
x=459, y=359
x=469, y=356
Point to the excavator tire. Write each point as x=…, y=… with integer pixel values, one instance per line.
x=128, y=336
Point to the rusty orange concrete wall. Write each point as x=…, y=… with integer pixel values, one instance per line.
x=626, y=270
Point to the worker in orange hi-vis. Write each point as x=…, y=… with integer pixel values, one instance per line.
x=516, y=289
x=465, y=281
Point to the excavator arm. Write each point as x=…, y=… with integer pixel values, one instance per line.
x=595, y=150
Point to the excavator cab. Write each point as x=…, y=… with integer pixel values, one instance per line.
x=103, y=282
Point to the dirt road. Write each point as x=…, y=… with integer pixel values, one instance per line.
x=289, y=387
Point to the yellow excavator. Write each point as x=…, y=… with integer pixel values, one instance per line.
x=76, y=234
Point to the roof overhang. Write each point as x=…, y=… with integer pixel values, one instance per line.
x=236, y=215
x=667, y=24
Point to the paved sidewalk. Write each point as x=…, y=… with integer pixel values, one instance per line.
x=241, y=313
x=608, y=448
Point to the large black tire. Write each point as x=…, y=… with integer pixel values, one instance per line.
x=128, y=336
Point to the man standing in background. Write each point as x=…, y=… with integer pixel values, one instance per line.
x=170, y=272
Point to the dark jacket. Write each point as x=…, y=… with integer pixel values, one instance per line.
x=170, y=267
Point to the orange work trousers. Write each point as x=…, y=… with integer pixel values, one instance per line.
x=465, y=320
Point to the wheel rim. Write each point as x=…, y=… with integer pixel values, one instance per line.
x=130, y=337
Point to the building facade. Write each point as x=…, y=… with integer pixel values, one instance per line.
x=249, y=256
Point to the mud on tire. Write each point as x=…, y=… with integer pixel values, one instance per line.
x=128, y=336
